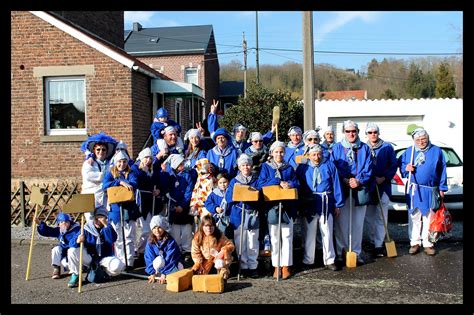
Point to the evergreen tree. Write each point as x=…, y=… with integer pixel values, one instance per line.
x=445, y=86
x=256, y=110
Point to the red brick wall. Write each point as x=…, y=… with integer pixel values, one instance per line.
x=109, y=97
x=106, y=24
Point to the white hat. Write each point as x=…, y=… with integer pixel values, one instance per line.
x=372, y=126
x=255, y=136
x=169, y=129
x=175, y=160
x=349, y=123
x=120, y=155
x=144, y=153
x=328, y=129
x=158, y=263
x=277, y=144
x=239, y=127
x=192, y=133
x=313, y=133
x=244, y=158
x=315, y=148
x=159, y=221
x=419, y=132
x=121, y=145
x=294, y=130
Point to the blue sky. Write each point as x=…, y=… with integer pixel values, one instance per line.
x=341, y=33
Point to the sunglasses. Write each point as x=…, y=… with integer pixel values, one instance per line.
x=372, y=132
x=101, y=149
x=257, y=141
x=312, y=139
x=350, y=131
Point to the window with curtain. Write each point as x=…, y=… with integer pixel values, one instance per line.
x=191, y=75
x=65, y=106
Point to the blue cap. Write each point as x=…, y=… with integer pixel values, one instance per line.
x=63, y=217
x=161, y=113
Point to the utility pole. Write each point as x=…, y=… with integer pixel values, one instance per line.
x=258, y=70
x=308, y=71
x=244, y=46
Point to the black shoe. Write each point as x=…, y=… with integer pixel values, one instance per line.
x=332, y=267
x=379, y=252
x=360, y=261
x=306, y=267
x=252, y=273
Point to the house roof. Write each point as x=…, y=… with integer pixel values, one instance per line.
x=159, y=41
x=344, y=95
x=231, y=88
x=99, y=43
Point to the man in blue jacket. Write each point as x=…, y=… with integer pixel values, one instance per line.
x=99, y=238
x=427, y=186
x=66, y=253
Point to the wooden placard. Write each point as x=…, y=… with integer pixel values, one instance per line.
x=119, y=194
x=38, y=196
x=275, y=192
x=244, y=193
x=301, y=158
x=80, y=203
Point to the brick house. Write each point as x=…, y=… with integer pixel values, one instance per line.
x=187, y=55
x=67, y=82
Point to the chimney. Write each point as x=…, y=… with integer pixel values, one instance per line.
x=137, y=26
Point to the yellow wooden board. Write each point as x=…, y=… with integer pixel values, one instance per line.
x=118, y=194
x=80, y=203
x=275, y=192
x=301, y=158
x=208, y=283
x=38, y=196
x=179, y=281
x=244, y=193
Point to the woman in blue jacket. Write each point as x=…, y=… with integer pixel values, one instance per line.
x=278, y=172
x=122, y=175
x=162, y=254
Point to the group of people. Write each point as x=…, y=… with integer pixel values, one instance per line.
x=185, y=208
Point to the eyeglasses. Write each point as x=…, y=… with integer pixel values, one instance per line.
x=372, y=132
x=350, y=131
x=101, y=149
x=312, y=139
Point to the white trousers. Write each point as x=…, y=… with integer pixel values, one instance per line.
x=183, y=235
x=144, y=224
x=129, y=229
x=111, y=264
x=72, y=262
x=374, y=223
x=342, y=228
x=286, y=244
x=250, y=247
x=418, y=228
x=310, y=232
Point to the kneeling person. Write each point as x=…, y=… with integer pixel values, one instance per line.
x=99, y=238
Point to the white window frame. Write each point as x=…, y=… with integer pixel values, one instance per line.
x=186, y=77
x=63, y=131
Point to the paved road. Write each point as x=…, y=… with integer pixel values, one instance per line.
x=405, y=279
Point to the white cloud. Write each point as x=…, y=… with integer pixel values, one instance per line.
x=143, y=17
x=342, y=18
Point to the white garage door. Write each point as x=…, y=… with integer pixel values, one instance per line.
x=391, y=127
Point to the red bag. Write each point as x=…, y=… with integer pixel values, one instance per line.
x=442, y=220
x=441, y=224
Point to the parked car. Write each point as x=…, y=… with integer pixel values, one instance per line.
x=453, y=198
